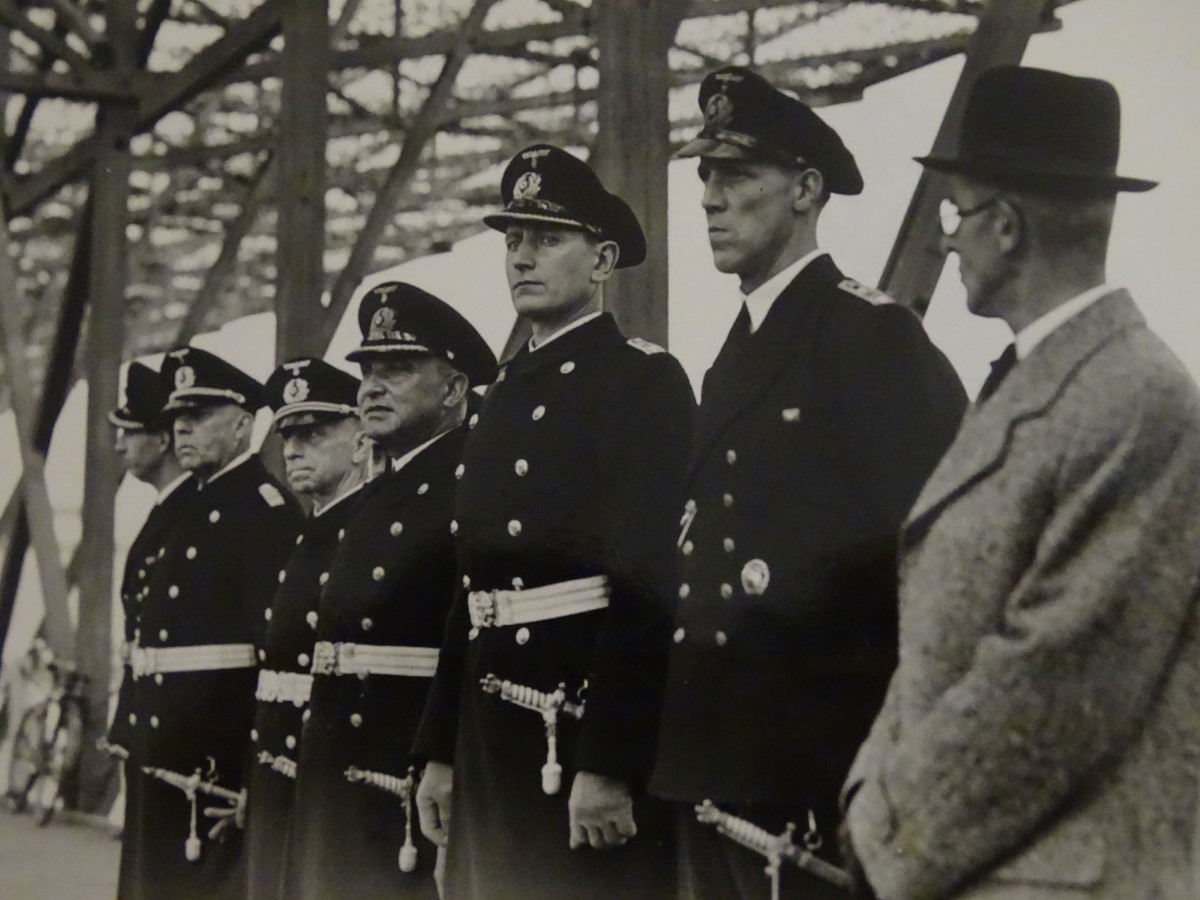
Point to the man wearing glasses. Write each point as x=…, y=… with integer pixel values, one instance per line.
x=1041, y=732
x=821, y=417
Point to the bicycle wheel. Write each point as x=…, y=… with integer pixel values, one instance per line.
x=27, y=756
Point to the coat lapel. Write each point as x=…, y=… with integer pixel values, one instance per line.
x=1028, y=392
x=746, y=368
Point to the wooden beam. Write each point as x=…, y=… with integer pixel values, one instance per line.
x=37, y=502
x=423, y=127
x=634, y=37
x=204, y=70
x=916, y=260
x=303, y=121
x=89, y=86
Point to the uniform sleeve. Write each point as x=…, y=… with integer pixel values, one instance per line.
x=438, y=731
x=1066, y=679
x=649, y=440
x=267, y=542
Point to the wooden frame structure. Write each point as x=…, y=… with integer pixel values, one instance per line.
x=593, y=76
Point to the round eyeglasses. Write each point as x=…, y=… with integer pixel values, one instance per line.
x=951, y=215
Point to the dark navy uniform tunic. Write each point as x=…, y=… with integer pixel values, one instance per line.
x=815, y=434
x=390, y=583
x=290, y=633
x=142, y=556
x=216, y=574
x=573, y=469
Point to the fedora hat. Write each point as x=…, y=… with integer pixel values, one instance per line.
x=1042, y=130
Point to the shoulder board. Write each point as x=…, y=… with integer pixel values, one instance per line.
x=645, y=346
x=271, y=494
x=871, y=295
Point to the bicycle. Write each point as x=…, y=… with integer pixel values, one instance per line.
x=48, y=745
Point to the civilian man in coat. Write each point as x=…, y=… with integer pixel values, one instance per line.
x=194, y=666
x=1041, y=736
x=146, y=447
x=324, y=458
x=821, y=417
x=571, y=485
x=383, y=608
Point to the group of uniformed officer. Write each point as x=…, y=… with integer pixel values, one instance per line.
x=504, y=666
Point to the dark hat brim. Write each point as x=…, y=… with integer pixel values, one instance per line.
x=121, y=418
x=501, y=220
x=1043, y=177
x=372, y=351
x=297, y=415
x=197, y=397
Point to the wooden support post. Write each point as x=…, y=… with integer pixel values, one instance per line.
x=915, y=263
x=633, y=146
x=37, y=503
x=105, y=346
x=301, y=160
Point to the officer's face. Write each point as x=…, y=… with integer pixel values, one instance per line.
x=981, y=241
x=553, y=272
x=319, y=458
x=209, y=437
x=141, y=451
x=402, y=397
x=752, y=215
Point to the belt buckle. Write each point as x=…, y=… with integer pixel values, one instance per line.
x=141, y=661
x=344, y=664
x=325, y=658
x=482, y=605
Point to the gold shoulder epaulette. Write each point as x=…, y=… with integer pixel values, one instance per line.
x=647, y=347
x=271, y=494
x=872, y=295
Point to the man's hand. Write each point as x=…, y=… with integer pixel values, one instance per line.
x=601, y=812
x=433, y=801
x=227, y=817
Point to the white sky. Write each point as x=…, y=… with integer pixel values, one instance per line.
x=1145, y=48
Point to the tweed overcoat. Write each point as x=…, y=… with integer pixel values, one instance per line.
x=1041, y=735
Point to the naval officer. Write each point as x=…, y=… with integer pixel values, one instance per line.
x=194, y=666
x=541, y=724
x=383, y=607
x=146, y=446
x=324, y=457
x=823, y=413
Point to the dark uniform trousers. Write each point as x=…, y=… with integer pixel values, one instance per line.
x=215, y=576
x=390, y=584
x=287, y=650
x=573, y=469
x=142, y=556
x=815, y=434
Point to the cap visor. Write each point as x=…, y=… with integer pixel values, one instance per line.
x=501, y=220
x=711, y=147
x=372, y=350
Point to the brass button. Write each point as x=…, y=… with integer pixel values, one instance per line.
x=306, y=715
x=454, y=526
x=133, y=718
x=355, y=720
x=521, y=467
x=424, y=488
x=254, y=734
x=191, y=553
x=367, y=624
x=158, y=679
x=377, y=573
x=514, y=528
x=267, y=614
x=299, y=539
x=728, y=500
x=341, y=533
x=518, y=583
x=679, y=635
x=473, y=421
x=323, y=578
x=721, y=638
x=728, y=545
x=688, y=547
x=684, y=590
x=303, y=659
x=567, y=368
x=162, y=634
x=396, y=529
x=262, y=654
x=522, y=636
x=173, y=591
x=290, y=742
x=466, y=582
x=458, y=472
x=731, y=456
x=213, y=517
x=311, y=618
x=282, y=576
x=726, y=591
x=154, y=721
x=538, y=412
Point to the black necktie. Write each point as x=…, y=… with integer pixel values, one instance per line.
x=1001, y=367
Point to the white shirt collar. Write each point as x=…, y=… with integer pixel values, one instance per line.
x=402, y=461
x=760, y=300
x=338, y=499
x=233, y=464
x=582, y=320
x=1039, y=329
x=169, y=489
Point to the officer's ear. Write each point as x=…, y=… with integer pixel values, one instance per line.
x=607, y=254
x=1008, y=226
x=808, y=190
x=454, y=389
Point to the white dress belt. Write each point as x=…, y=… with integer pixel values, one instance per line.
x=283, y=687
x=495, y=609
x=199, y=658
x=346, y=658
